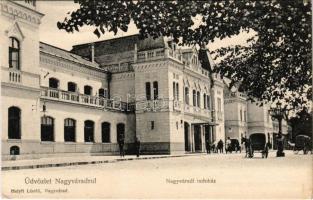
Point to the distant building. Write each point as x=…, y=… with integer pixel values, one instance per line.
x=242, y=117
x=236, y=114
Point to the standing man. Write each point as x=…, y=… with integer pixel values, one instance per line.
x=220, y=146
x=121, y=145
x=280, y=145
x=137, y=146
x=208, y=146
x=227, y=145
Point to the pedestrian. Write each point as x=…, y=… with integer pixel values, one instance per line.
x=208, y=146
x=214, y=147
x=280, y=145
x=227, y=145
x=121, y=145
x=137, y=147
x=220, y=146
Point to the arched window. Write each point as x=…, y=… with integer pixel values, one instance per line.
x=69, y=130
x=53, y=83
x=71, y=87
x=204, y=101
x=194, y=98
x=208, y=102
x=148, y=90
x=106, y=132
x=14, y=150
x=155, y=90
x=14, y=126
x=120, y=131
x=47, y=129
x=87, y=90
x=198, y=99
x=89, y=131
x=101, y=92
x=187, y=95
x=14, y=53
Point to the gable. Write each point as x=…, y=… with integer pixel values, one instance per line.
x=15, y=31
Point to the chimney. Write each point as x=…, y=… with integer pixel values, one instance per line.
x=92, y=52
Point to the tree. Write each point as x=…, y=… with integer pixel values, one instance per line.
x=301, y=123
x=274, y=65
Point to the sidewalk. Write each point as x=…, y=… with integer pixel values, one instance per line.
x=77, y=160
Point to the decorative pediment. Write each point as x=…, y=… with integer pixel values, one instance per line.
x=205, y=89
x=15, y=31
x=199, y=86
x=186, y=82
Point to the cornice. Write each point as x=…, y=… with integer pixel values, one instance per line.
x=123, y=76
x=19, y=86
x=69, y=65
x=149, y=66
x=22, y=12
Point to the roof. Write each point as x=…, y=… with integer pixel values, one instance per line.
x=205, y=59
x=118, y=45
x=52, y=50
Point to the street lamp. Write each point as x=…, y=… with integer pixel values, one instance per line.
x=279, y=113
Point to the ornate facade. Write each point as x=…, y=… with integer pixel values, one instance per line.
x=56, y=102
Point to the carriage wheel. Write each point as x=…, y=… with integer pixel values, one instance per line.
x=251, y=153
x=304, y=151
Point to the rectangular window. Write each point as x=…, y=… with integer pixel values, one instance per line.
x=174, y=91
x=177, y=91
x=240, y=115
x=194, y=97
x=148, y=91
x=219, y=105
x=245, y=116
x=155, y=90
x=152, y=125
x=13, y=58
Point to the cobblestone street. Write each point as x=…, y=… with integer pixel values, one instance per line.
x=203, y=176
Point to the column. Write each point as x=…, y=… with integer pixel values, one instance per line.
x=202, y=131
x=97, y=133
x=213, y=134
x=80, y=131
x=192, y=138
x=59, y=129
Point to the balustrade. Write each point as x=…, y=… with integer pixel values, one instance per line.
x=152, y=105
x=14, y=76
x=51, y=93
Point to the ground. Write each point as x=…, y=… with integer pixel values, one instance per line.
x=206, y=176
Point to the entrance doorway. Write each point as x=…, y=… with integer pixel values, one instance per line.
x=120, y=132
x=197, y=136
x=187, y=130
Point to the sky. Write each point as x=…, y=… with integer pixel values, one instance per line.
x=55, y=11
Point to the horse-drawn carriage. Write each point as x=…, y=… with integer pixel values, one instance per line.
x=233, y=146
x=257, y=142
x=302, y=143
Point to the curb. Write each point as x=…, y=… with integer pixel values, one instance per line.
x=34, y=166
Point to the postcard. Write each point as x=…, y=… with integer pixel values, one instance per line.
x=156, y=99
